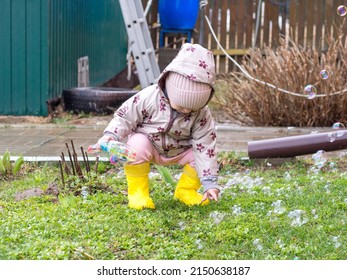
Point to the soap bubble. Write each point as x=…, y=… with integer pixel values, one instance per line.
x=278, y=207
x=338, y=127
x=327, y=188
x=319, y=159
x=336, y=241
x=154, y=175
x=199, y=244
x=341, y=10
x=260, y=205
x=181, y=225
x=84, y=192
x=314, y=213
x=332, y=166
x=298, y=217
x=280, y=243
x=310, y=91
x=287, y=176
x=217, y=217
x=332, y=136
x=237, y=210
x=324, y=74
x=266, y=190
x=257, y=244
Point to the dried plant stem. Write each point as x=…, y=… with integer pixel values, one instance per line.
x=88, y=163
x=85, y=160
x=96, y=164
x=71, y=160
x=66, y=168
x=62, y=173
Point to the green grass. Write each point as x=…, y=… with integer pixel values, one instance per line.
x=245, y=224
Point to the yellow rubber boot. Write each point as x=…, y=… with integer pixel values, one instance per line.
x=138, y=186
x=188, y=184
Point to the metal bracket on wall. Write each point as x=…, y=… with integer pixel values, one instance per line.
x=140, y=42
x=83, y=71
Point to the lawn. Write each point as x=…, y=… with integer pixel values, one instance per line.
x=295, y=210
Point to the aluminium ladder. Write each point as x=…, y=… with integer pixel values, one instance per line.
x=140, y=42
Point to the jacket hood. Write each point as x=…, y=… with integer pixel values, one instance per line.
x=194, y=62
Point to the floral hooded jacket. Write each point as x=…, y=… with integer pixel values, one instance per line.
x=149, y=112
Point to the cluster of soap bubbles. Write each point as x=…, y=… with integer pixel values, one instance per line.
x=237, y=210
x=310, y=90
x=217, y=217
x=337, y=131
x=244, y=181
x=298, y=217
x=278, y=207
x=320, y=158
x=336, y=241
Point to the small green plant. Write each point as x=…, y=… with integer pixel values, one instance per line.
x=91, y=183
x=62, y=120
x=166, y=175
x=7, y=168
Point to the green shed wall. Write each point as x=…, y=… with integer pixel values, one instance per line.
x=23, y=57
x=41, y=41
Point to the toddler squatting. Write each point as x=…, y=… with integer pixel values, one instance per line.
x=170, y=123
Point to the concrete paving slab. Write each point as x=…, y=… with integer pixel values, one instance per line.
x=49, y=140
x=45, y=140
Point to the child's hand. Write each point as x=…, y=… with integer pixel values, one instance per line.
x=211, y=194
x=105, y=138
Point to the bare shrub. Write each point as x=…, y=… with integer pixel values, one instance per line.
x=291, y=68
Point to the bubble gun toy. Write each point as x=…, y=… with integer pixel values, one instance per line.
x=117, y=151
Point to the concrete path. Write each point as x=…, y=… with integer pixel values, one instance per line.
x=48, y=141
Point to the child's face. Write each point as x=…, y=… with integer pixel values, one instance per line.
x=181, y=109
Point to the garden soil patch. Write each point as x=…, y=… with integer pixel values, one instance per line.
x=52, y=190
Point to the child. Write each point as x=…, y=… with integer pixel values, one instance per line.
x=169, y=123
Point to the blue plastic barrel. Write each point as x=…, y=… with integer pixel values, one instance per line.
x=178, y=14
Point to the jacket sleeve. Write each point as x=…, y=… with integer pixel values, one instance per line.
x=204, y=147
x=127, y=118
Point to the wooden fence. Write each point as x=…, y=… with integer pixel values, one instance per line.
x=243, y=24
